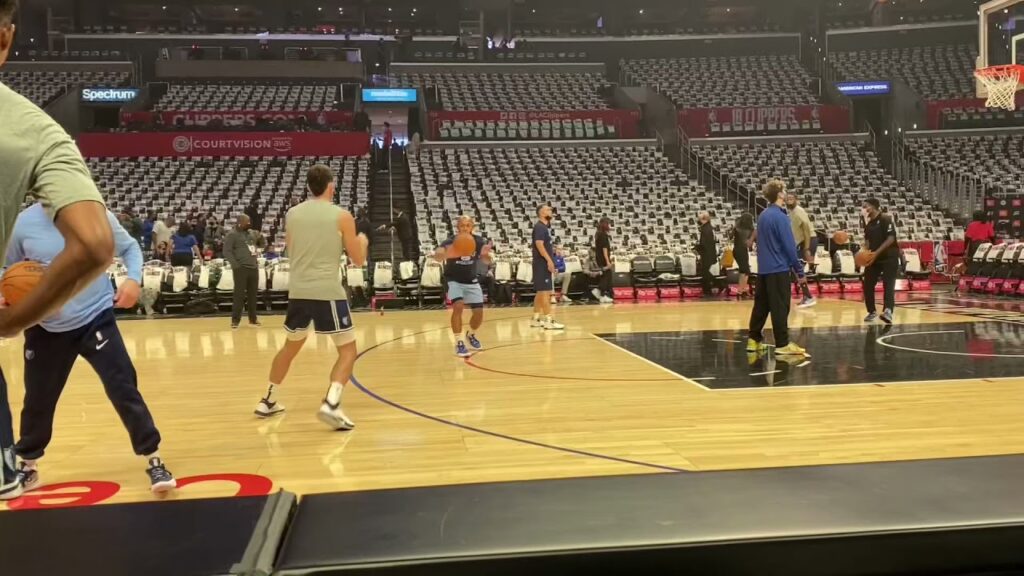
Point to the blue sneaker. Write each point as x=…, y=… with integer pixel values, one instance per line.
x=474, y=343
x=461, y=351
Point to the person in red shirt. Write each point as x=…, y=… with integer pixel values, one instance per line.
x=979, y=231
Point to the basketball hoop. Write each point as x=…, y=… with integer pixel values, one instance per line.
x=1002, y=83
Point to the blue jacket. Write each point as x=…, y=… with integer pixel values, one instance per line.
x=776, y=247
x=36, y=238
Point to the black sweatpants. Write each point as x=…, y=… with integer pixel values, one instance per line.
x=247, y=286
x=606, y=283
x=707, y=281
x=6, y=422
x=49, y=357
x=772, y=297
x=886, y=270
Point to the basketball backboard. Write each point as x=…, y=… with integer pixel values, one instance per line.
x=1000, y=35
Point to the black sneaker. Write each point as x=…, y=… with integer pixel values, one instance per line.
x=160, y=479
x=29, y=477
x=234, y=326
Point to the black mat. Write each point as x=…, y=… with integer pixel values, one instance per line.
x=875, y=354
x=927, y=517
x=179, y=538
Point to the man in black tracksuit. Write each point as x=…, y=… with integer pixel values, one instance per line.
x=240, y=251
x=707, y=248
x=883, y=260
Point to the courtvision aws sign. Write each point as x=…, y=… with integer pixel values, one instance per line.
x=109, y=95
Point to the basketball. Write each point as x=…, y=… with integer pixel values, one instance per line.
x=464, y=245
x=841, y=238
x=20, y=279
x=863, y=258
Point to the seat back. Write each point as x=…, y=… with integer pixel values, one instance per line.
x=432, y=273
x=664, y=264
x=913, y=259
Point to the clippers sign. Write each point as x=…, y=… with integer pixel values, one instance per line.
x=236, y=118
x=698, y=122
x=109, y=95
x=134, y=145
x=880, y=88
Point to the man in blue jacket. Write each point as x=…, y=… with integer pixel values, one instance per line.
x=776, y=259
x=84, y=327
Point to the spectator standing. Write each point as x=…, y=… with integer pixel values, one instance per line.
x=803, y=234
x=603, y=256
x=401, y=225
x=240, y=251
x=147, y=231
x=199, y=231
x=184, y=247
x=978, y=232
x=707, y=249
x=162, y=233
x=742, y=234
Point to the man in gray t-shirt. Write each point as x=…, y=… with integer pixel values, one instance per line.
x=39, y=159
x=240, y=251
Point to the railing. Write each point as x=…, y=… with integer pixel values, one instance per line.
x=958, y=193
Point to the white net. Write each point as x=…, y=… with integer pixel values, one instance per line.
x=1001, y=83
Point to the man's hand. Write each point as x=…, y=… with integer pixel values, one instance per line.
x=871, y=256
x=128, y=294
x=551, y=266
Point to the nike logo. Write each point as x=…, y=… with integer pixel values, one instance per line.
x=102, y=344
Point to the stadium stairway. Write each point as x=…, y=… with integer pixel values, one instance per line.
x=385, y=185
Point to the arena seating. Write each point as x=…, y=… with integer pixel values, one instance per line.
x=222, y=187
x=993, y=159
x=68, y=56
x=935, y=72
x=585, y=129
x=725, y=81
x=832, y=179
x=42, y=87
x=653, y=204
x=512, y=92
x=526, y=55
x=234, y=97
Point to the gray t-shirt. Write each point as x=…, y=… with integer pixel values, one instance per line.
x=37, y=159
x=315, y=250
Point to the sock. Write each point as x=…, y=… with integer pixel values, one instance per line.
x=30, y=464
x=149, y=457
x=271, y=388
x=470, y=334
x=334, y=393
x=536, y=316
x=807, y=291
x=549, y=319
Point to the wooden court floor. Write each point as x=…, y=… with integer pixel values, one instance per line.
x=535, y=404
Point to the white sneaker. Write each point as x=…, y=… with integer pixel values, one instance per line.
x=552, y=325
x=566, y=300
x=597, y=293
x=607, y=300
x=536, y=323
x=333, y=416
x=266, y=408
x=807, y=303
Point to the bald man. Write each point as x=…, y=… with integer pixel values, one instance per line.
x=240, y=251
x=464, y=286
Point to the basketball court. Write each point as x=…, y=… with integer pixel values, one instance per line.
x=626, y=389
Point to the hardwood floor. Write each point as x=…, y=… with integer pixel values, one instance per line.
x=543, y=405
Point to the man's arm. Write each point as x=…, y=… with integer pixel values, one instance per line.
x=127, y=248
x=15, y=252
x=890, y=236
x=544, y=253
x=783, y=233
x=88, y=248
x=355, y=244
x=229, y=250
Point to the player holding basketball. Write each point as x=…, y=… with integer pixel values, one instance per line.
x=84, y=327
x=882, y=260
x=543, y=271
x=37, y=157
x=464, y=284
x=318, y=234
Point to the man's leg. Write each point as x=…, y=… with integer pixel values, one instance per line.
x=890, y=269
x=871, y=274
x=296, y=325
x=779, y=288
x=706, y=282
x=474, y=298
x=759, y=315
x=238, y=295
x=49, y=358
x=252, y=289
x=606, y=283
x=335, y=318
x=805, y=288
x=109, y=358
x=10, y=483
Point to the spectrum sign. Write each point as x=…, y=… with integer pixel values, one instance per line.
x=109, y=95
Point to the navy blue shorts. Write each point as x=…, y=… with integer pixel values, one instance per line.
x=543, y=281
x=327, y=316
